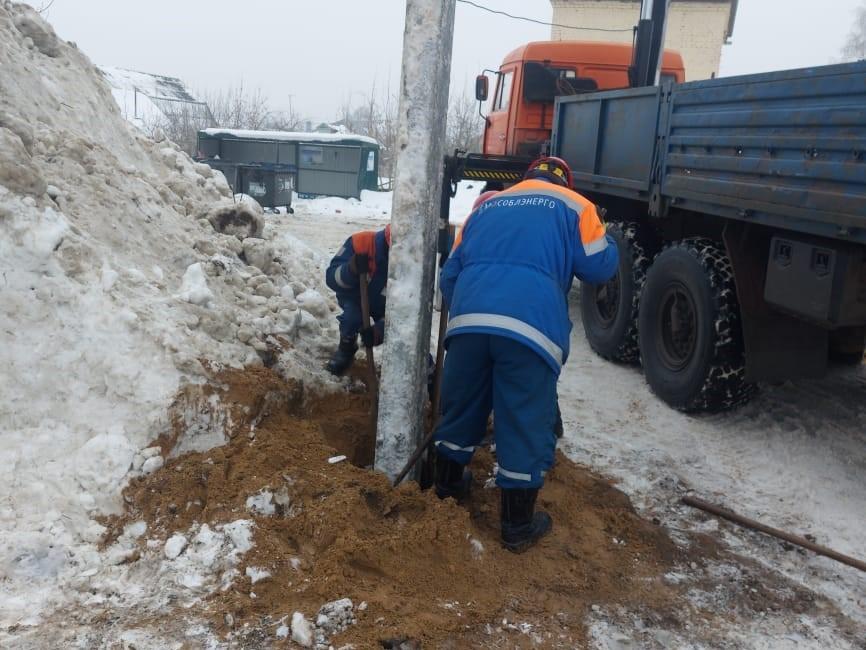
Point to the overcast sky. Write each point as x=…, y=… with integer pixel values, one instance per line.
x=321, y=52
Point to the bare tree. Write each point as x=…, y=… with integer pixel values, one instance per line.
x=287, y=120
x=855, y=46
x=235, y=108
x=386, y=134
x=465, y=126
x=180, y=122
x=346, y=114
x=377, y=118
x=231, y=108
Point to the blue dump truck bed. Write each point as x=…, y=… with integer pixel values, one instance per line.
x=784, y=149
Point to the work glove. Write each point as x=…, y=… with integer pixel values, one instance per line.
x=359, y=263
x=372, y=336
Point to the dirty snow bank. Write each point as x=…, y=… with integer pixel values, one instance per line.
x=376, y=206
x=372, y=205
x=115, y=286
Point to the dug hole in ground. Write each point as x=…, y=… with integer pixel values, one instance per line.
x=171, y=442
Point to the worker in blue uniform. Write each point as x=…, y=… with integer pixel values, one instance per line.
x=362, y=252
x=506, y=284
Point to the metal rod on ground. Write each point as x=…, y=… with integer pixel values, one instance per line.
x=415, y=456
x=373, y=380
x=437, y=394
x=724, y=513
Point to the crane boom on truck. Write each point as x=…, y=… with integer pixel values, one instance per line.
x=739, y=209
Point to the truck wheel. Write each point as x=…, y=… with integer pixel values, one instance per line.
x=691, y=341
x=609, y=311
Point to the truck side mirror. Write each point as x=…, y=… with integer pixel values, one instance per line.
x=481, y=87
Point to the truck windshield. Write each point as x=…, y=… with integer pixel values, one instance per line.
x=543, y=83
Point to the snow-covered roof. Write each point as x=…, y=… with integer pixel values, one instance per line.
x=291, y=136
x=152, y=85
x=144, y=97
x=331, y=127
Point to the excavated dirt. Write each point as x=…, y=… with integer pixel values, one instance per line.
x=430, y=571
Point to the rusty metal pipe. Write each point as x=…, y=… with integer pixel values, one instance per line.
x=740, y=520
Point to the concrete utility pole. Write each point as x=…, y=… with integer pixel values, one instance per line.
x=421, y=133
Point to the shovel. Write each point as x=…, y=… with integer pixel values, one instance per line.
x=373, y=378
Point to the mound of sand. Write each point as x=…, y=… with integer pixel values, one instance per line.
x=419, y=572
x=428, y=570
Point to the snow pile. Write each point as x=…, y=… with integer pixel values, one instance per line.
x=461, y=203
x=115, y=285
x=187, y=566
x=376, y=206
x=372, y=205
x=194, y=287
x=332, y=618
x=145, y=576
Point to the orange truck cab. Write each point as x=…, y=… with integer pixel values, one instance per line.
x=532, y=76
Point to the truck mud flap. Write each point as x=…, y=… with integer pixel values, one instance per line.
x=778, y=346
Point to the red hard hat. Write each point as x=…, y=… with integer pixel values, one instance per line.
x=551, y=168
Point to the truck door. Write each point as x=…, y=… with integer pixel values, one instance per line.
x=496, y=135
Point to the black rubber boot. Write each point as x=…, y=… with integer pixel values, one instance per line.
x=343, y=357
x=522, y=527
x=452, y=479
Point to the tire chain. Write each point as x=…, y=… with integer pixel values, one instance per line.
x=628, y=350
x=725, y=386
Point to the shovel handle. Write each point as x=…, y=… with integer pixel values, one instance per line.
x=365, y=315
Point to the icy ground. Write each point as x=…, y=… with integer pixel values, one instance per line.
x=795, y=458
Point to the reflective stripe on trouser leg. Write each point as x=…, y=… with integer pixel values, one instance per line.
x=466, y=397
x=515, y=476
x=524, y=401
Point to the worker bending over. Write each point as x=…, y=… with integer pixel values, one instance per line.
x=362, y=252
x=506, y=283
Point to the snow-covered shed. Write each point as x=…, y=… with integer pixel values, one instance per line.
x=267, y=164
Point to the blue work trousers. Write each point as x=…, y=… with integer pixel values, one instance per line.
x=350, y=318
x=485, y=372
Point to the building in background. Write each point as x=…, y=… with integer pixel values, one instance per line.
x=270, y=165
x=696, y=28
x=155, y=102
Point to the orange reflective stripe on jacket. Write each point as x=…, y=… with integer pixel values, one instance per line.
x=592, y=230
x=364, y=243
